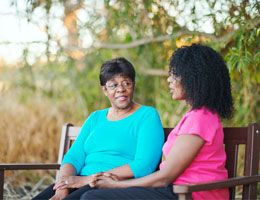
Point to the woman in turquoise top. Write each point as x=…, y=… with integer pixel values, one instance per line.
x=125, y=139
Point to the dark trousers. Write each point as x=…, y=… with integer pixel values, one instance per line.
x=133, y=193
x=73, y=193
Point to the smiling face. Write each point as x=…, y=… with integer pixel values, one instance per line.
x=175, y=87
x=119, y=90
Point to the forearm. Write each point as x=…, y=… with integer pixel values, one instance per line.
x=123, y=172
x=68, y=179
x=157, y=179
x=67, y=170
x=185, y=150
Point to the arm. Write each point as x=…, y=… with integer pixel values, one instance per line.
x=181, y=155
x=67, y=179
x=76, y=154
x=74, y=160
x=150, y=138
x=66, y=171
x=62, y=191
x=122, y=172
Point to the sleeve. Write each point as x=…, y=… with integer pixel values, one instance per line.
x=149, y=145
x=76, y=155
x=203, y=124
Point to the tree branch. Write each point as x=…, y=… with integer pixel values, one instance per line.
x=154, y=72
x=21, y=43
x=144, y=41
x=223, y=38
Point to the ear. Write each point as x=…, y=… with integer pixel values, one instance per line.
x=104, y=89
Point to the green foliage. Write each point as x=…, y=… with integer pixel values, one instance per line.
x=125, y=22
x=243, y=61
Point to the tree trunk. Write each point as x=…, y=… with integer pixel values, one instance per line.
x=70, y=22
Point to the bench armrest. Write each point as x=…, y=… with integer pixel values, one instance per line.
x=23, y=166
x=28, y=166
x=231, y=182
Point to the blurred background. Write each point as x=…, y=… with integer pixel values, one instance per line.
x=51, y=52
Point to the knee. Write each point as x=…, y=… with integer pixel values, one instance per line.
x=92, y=194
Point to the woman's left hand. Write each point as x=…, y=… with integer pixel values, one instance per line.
x=71, y=182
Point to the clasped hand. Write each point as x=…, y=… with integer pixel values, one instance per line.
x=104, y=180
x=70, y=182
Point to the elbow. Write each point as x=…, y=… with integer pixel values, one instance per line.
x=141, y=169
x=167, y=181
x=162, y=182
x=163, y=179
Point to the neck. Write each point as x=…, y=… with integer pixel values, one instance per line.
x=117, y=113
x=124, y=110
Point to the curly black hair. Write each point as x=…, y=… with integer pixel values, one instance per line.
x=114, y=67
x=204, y=77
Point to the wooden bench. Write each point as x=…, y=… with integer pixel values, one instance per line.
x=233, y=138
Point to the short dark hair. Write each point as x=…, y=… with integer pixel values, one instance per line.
x=117, y=66
x=204, y=77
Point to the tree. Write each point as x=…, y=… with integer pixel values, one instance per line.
x=146, y=32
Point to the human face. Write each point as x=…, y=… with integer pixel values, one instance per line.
x=175, y=87
x=119, y=91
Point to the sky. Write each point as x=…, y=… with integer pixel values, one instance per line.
x=18, y=31
x=13, y=30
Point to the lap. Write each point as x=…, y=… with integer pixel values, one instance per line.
x=45, y=194
x=133, y=193
x=76, y=194
x=73, y=194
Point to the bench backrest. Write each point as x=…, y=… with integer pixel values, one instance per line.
x=235, y=139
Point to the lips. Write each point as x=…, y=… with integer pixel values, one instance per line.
x=121, y=98
x=171, y=91
x=171, y=88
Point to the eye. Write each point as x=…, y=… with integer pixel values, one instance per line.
x=126, y=83
x=112, y=86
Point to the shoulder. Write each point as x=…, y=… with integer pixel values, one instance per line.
x=199, y=118
x=96, y=115
x=202, y=122
x=147, y=114
x=148, y=109
x=202, y=114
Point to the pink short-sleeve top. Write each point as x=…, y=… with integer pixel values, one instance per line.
x=209, y=164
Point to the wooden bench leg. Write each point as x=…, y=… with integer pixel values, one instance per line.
x=2, y=184
x=250, y=191
x=185, y=196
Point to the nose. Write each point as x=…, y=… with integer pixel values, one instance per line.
x=169, y=79
x=120, y=88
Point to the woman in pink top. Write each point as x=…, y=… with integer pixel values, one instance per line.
x=194, y=150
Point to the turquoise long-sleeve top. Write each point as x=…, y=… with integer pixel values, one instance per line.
x=103, y=144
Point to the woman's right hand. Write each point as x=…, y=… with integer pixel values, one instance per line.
x=60, y=183
x=71, y=182
x=60, y=194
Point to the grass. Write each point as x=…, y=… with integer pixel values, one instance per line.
x=25, y=190
x=31, y=132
